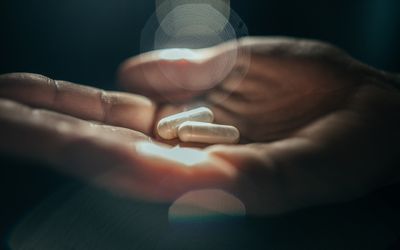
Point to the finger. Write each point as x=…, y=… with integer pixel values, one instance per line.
x=264, y=56
x=106, y=155
x=114, y=108
x=100, y=154
x=163, y=72
x=253, y=88
x=38, y=132
x=270, y=57
x=264, y=110
x=68, y=144
x=238, y=104
x=145, y=74
x=258, y=121
x=178, y=72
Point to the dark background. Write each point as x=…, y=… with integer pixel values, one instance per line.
x=84, y=41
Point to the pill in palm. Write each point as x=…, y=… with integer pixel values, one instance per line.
x=203, y=132
x=167, y=127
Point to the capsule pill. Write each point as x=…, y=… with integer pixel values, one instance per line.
x=167, y=127
x=192, y=131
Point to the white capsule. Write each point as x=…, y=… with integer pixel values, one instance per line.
x=208, y=133
x=167, y=127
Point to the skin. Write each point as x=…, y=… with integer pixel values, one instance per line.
x=92, y=134
x=316, y=125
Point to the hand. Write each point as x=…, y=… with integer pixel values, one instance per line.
x=317, y=126
x=89, y=133
x=79, y=130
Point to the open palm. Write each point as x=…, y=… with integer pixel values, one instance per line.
x=316, y=125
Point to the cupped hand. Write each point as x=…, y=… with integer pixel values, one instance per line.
x=317, y=126
x=96, y=135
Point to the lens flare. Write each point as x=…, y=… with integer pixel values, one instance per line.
x=180, y=32
x=164, y=7
x=205, y=203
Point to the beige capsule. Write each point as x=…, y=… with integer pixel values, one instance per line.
x=167, y=127
x=208, y=133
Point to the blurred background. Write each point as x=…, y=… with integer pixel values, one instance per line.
x=84, y=41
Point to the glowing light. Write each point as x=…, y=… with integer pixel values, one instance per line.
x=205, y=203
x=185, y=156
x=164, y=7
x=193, y=15
x=180, y=31
x=179, y=54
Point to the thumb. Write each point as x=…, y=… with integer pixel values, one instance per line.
x=177, y=74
